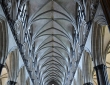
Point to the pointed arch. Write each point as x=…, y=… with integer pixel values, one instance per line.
x=3, y=39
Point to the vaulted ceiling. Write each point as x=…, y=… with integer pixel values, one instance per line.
x=52, y=24
x=49, y=37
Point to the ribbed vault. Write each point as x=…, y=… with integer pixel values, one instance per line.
x=52, y=38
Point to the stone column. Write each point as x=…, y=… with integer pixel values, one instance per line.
x=1, y=66
x=87, y=68
x=88, y=83
x=11, y=83
x=99, y=57
x=101, y=73
x=106, y=9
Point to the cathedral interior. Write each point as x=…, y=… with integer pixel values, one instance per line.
x=54, y=42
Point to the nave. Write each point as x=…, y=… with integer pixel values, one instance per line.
x=54, y=42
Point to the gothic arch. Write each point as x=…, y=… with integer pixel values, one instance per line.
x=51, y=36
x=13, y=64
x=3, y=39
x=99, y=58
x=97, y=44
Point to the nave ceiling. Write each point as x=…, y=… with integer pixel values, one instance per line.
x=49, y=36
x=52, y=27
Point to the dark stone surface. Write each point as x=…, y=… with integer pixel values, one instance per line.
x=11, y=83
x=1, y=66
x=106, y=9
x=89, y=83
x=102, y=77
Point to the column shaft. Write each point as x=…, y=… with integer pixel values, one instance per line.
x=102, y=76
